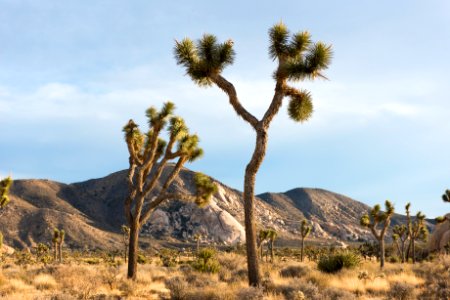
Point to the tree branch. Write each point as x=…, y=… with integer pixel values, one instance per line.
x=275, y=105
x=229, y=89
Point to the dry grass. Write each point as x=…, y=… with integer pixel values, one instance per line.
x=281, y=280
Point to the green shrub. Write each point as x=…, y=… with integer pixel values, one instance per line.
x=168, y=257
x=294, y=271
x=335, y=262
x=402, y=291
x=142, y=259
x=206, y=261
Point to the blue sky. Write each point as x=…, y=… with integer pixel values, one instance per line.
x=73, y=72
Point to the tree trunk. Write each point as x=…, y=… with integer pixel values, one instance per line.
x=55, y=251
x=413, y=248
x=381, y=241
x=132, y=250
x=254, y=277
x=60, y=252
x=125, y=252
x=301, y=249
x=403, y=252
x=408, y=251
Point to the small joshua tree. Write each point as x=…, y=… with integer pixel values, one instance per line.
x=198, y=238
x=125, y=239
x=298, y=59
x=149, y=155
x=400, y=237
x=62, y=235
x=263, y=237
x=271, y=235
x=419, y=231
x=55, y=243
x=305, y=229
x=5, y=184
x=376, y=218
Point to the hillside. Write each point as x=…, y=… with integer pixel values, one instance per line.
x=91, y=212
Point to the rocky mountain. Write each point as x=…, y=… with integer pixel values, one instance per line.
x=91, y=213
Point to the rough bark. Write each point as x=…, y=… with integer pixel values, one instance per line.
x=301, y=249
x=133, y=251
x=382, y=252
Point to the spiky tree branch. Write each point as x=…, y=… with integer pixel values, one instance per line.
x=419, y=231
x=148, y=158
x=298, y=59
x=376, y=218
x=445, y=198
x=400, y=236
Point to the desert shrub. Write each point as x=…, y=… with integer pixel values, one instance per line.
x=337, y=294
x=206, y=261
x=394, y=259
x=44, y=282
x=177, y=287
x=294, y=271
x=210, y=294
x=335, y=262
x=92, y=260
x=43, y=255
x=23, y=258
x=250, y=293
x=401, y=291
x=168, y=257
x=310, y=290
x=142, y=259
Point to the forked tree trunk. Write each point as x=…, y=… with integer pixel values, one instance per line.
x=301, y=249
x=254, y=277
x=132, y=251
x=381, y=241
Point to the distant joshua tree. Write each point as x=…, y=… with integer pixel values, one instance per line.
x=419, y=231
x=375, y=218
x=298, y=59
x=5, y=184
x=272, y=235
x=305, y=229
x=198, y=238
x=263, y=237
x=400, y=237
x=58, y=241
x=145, y=149
x=125, y=239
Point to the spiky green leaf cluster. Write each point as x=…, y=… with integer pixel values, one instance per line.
x=377, y=216
x=187, y=144
x=300, y=57
x=446, y=196
x=400, y=231
x=305, y=229
x=204, y=59
x=300, y=107
x=205, y=189
x=5, y=184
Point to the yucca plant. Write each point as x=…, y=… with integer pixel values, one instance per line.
x=400, y=236
x=298, y=58
x=419, y=231
x=378, y=223
x=305, y=229
x=149, y=155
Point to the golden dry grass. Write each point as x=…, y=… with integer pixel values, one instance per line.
x=86, y=281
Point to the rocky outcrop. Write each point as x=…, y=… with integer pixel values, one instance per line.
x=440, y=236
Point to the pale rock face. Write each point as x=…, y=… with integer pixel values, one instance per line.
x=6, y=250
x=440, y=236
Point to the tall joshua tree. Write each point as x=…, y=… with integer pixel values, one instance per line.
x=149, y=155
x=62, y=235
x=419, y=231
x=305, y=229
x=298, y=59
x=55, y=242
x=400, y=237
x=271, y=235
x=5, y=184
x=376, y=218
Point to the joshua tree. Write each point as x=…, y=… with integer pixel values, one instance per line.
x=198, y=238
x=263, y=236
x=55, y=242
x=400, y=236
x=145, y=170
x=125, y=239
x=62, y=235
x=418, y=232
x=377, y=217
x=305, y=229
x=298, y=59
x=445, y=198
x=5, y=184
x=271, y=235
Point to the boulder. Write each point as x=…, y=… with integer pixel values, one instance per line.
x=440, y=236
